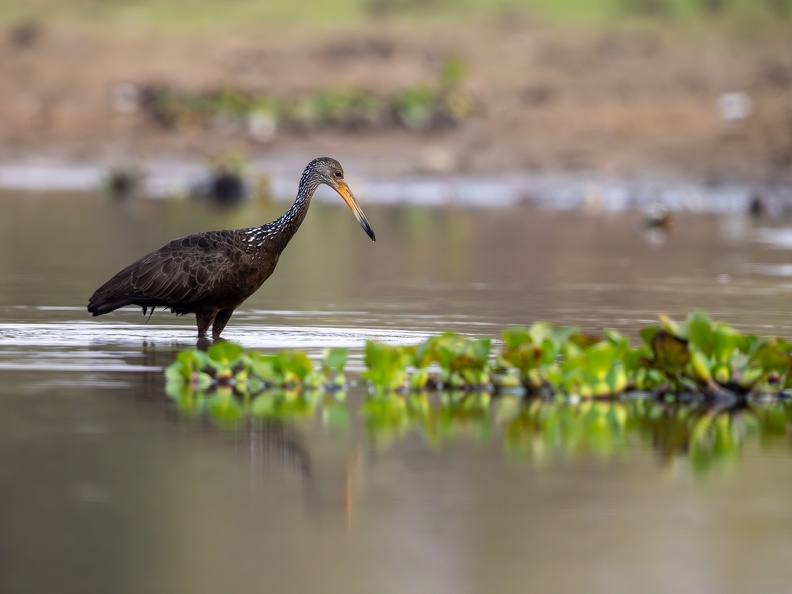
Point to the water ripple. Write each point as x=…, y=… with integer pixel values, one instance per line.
x=87, y=346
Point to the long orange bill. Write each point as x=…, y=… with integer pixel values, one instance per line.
x=344, y=192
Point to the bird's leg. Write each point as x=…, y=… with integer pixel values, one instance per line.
x=220, y=321
x=203, y=320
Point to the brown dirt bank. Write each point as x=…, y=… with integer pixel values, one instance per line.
x=624, y=101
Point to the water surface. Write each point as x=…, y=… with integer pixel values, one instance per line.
x=106, y=487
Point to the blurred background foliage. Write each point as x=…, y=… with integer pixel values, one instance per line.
x=236, y=13
x=536, y=85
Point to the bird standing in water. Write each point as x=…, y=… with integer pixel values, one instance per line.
x=210, y=274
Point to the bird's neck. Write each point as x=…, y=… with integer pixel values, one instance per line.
x=281, y=230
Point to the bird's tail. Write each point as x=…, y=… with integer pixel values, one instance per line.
x=100, y=307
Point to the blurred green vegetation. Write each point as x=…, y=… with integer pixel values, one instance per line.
x=439, y=105
x=201, y=14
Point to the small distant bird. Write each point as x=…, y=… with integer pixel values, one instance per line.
x=212, y=273
x=658, y=216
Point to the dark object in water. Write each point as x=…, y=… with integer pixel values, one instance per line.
x=226, y=187
x=757, y=205
x=210, y=274
x=122, y=183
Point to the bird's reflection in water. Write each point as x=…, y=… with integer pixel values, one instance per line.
x=272, y=444
x=276, y=448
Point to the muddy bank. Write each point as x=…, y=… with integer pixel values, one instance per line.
x=712, y=107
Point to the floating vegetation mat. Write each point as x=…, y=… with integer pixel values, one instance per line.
x=692, y=387
x=695, y=359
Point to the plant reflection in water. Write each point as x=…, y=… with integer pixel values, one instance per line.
x=530, y=428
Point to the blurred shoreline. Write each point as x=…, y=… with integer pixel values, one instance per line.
x=612, y=102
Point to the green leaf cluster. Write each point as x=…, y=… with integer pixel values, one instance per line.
x=699, y=355
x=696, y=356
x=226, y=364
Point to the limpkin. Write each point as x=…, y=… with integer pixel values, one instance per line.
x=210, y=274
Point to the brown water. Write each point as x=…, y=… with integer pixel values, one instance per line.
x=106, y=487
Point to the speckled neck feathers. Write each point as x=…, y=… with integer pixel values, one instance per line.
x=276, y=235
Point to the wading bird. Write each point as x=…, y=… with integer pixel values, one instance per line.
x=210, y=274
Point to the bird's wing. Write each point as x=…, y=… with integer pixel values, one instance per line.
x=183, y=271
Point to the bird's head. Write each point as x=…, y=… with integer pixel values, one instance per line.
x=326, y=170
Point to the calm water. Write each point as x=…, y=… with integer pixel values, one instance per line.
x=106, y=487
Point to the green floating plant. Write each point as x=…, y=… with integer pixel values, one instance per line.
x=386, y=365
x=693, y=357
x=227, y=364
x=578, y=393
x=701, y=356
x=464, y=362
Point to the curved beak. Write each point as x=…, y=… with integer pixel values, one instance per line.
x=346, y=194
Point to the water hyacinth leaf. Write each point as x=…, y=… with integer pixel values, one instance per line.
x=504, y=380
x=423, y=354
x=457, y=353
x=700, y=334
x=770, y=359
x=314, y=379
x=632, y=359
x=480, y=350
x=386, y=366
x=617, y=380
x=524, y=357
x=182, y=369
x=263, y=367
x=750, y=377
x=419, y=379
x=540, y=331
x=582, y=340
x=297, y=363
x=189, y=367
x=722, y=373
x=647, y=334
x=599, y=359
x=675, y=328
x=670, y=352
x=725, y=341
x=515, y=337
x=700, y=365
x=476, y=378
x=339, y=381
x=334, y=359
x=445, y=349
x=618, y=340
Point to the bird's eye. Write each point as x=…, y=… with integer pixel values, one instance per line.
x=339, y=175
